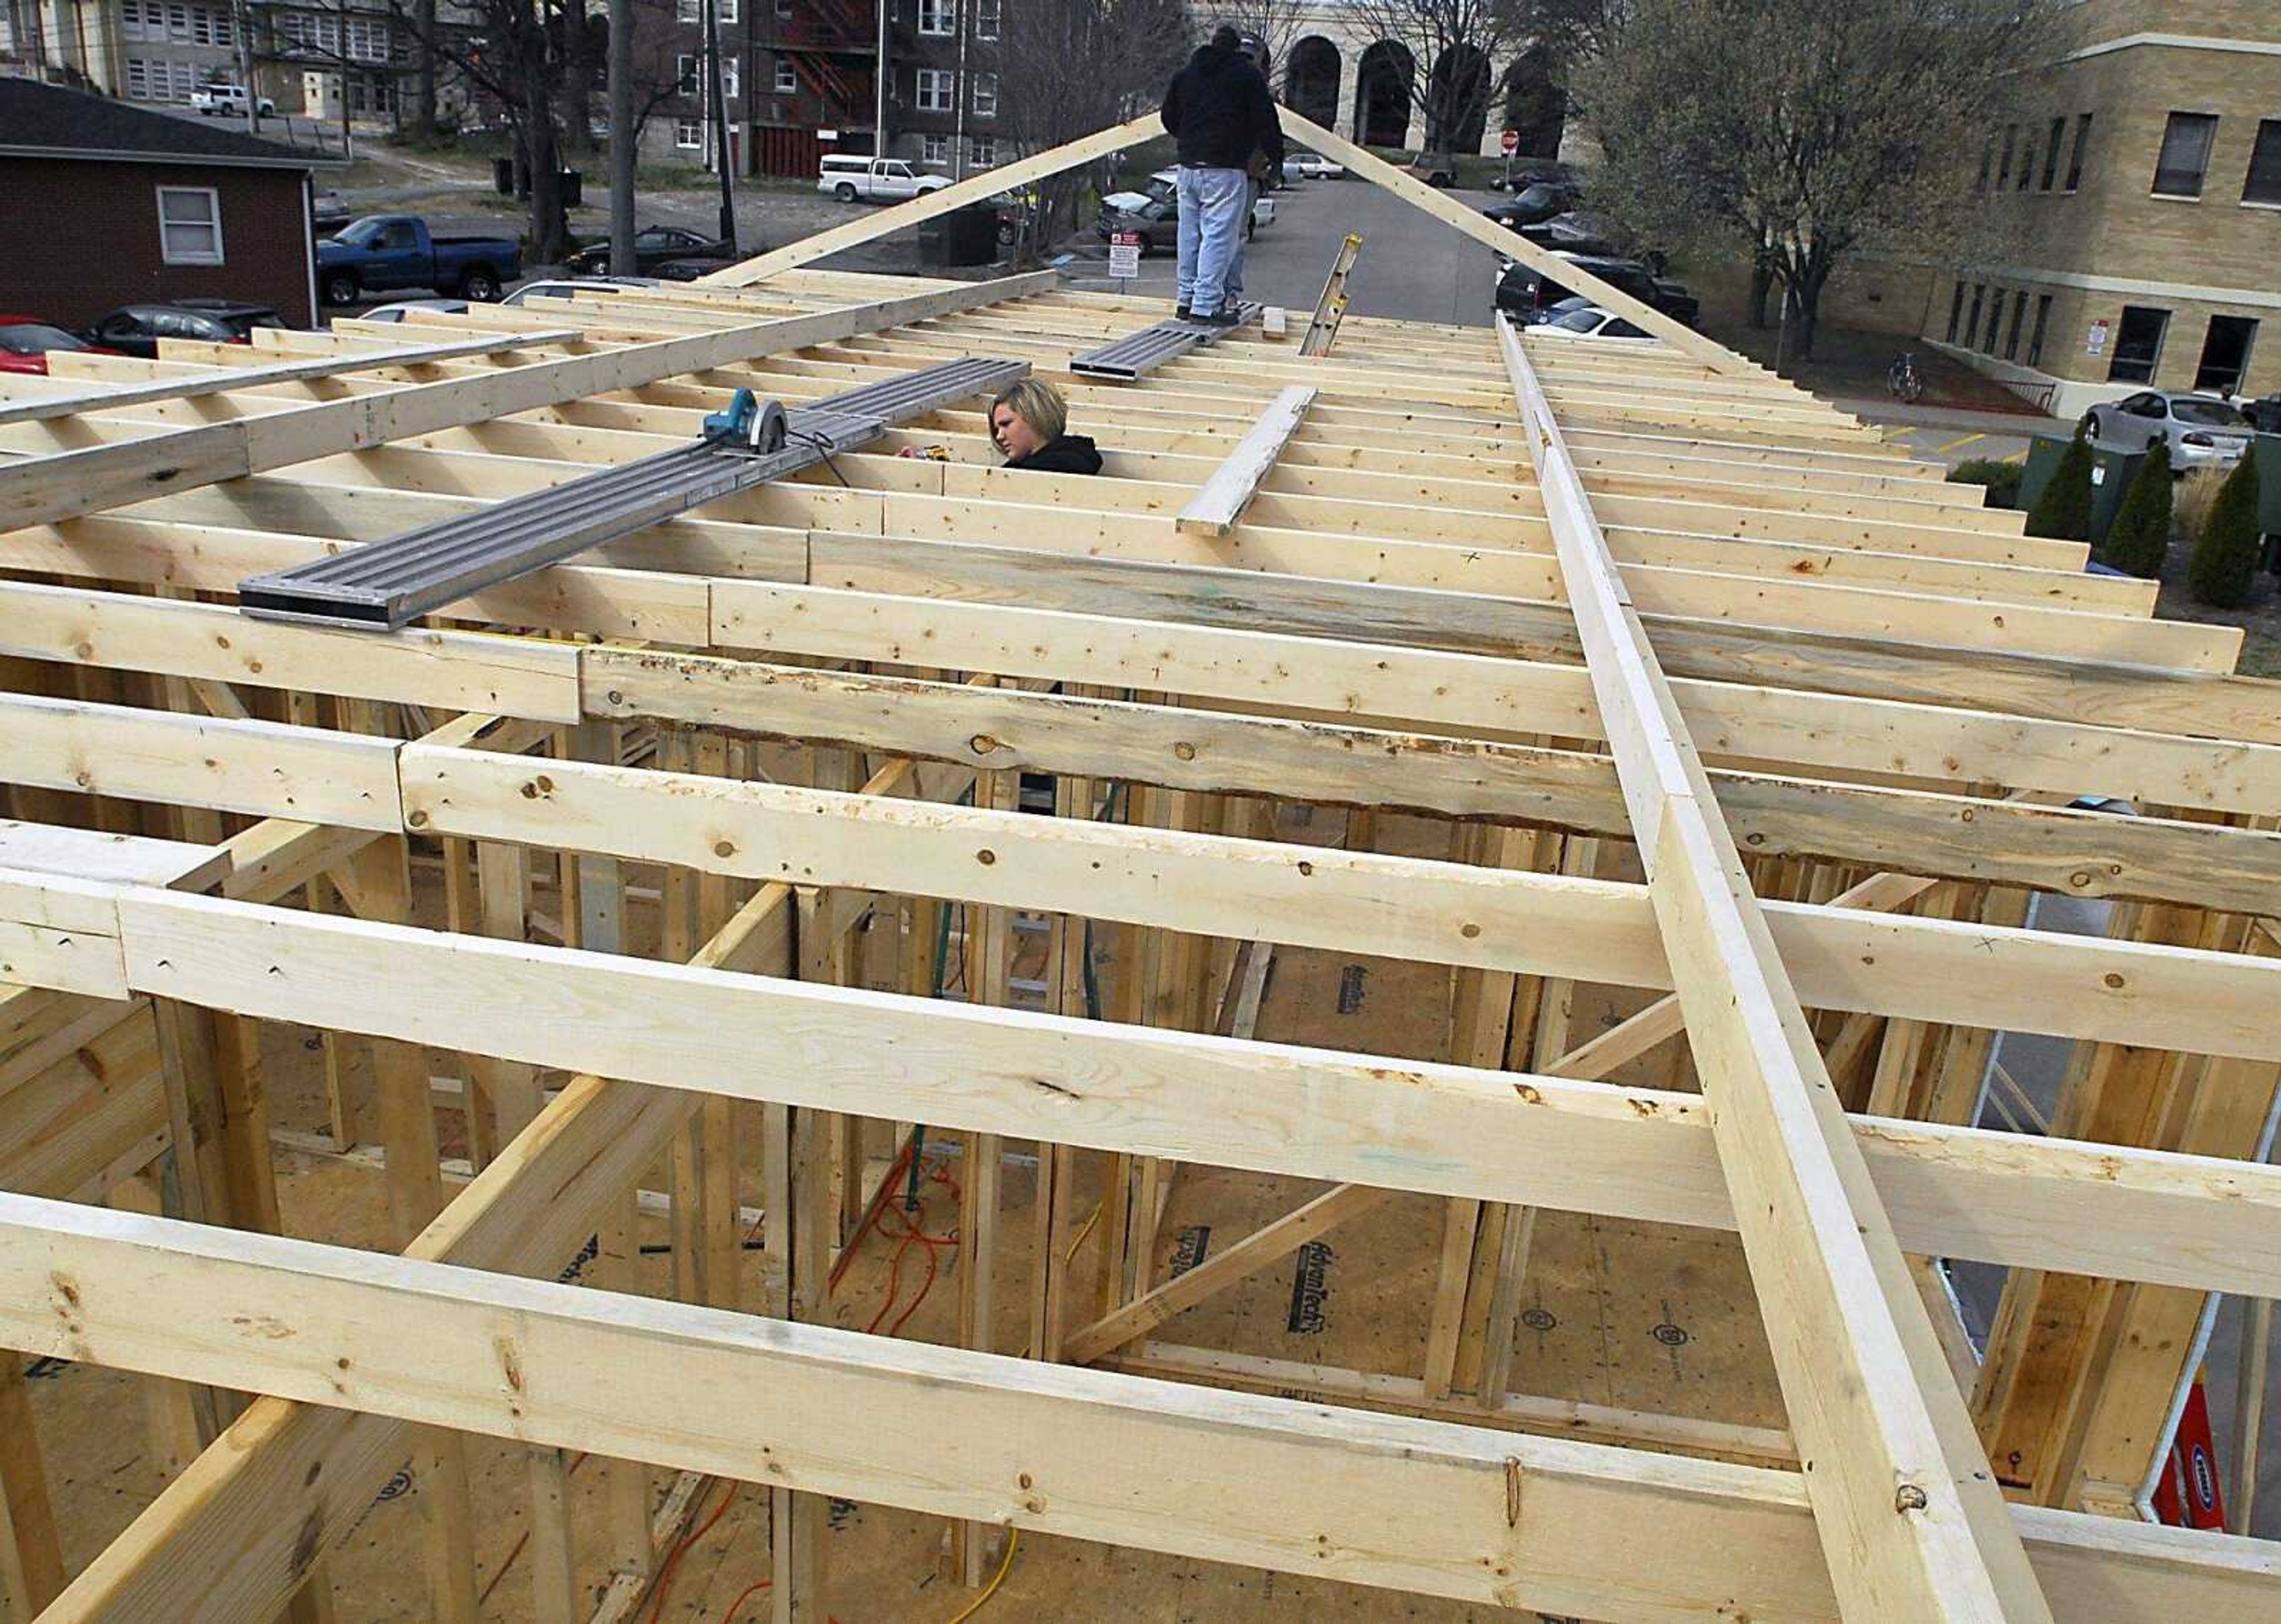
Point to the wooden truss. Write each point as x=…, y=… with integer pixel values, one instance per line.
x=1623, y=667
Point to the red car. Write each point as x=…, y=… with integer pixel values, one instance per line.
x=24, y=342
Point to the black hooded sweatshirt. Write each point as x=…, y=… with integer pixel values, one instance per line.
x=1067, y=453
x=1219, y=109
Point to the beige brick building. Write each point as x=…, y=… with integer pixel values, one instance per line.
x=2141, y=195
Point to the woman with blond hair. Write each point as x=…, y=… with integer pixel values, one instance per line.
x=1029, y=422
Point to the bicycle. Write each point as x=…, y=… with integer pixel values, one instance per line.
x=1903, y=381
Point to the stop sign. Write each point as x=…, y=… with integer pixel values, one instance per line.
x=1510, y=141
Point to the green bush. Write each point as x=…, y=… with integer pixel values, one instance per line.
x=2001, y=478
x=2141, y=535
x=2063, y=510
x=2224, y=564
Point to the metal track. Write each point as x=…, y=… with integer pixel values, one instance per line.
x=1129, y=357
x=390, y=583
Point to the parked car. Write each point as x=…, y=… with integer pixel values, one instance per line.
x=1314, y=166
x=25, y=343
x=136, y=330
x=381, y=251
x=1164, y=187
x=402, y=308
x=1532, y=173
x=1157, y=220
x=2204, y=431
x=1586, y=321
x=877, y=180
x=565, y=287
x=331, y=210
x=1015, y=209
x=212, y=99
x=1440, y=175
x=1532, y=205
x=2264, y=414
x=654, y=245
x=1528, y=293
x=1576, y=233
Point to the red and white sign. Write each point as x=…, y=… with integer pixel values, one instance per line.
x=2094, y=341
x=1125, y=254
x=1510, y=141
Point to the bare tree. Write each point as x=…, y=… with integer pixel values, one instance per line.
x=1453, y=46
x=1084, y=63
x=1804, y=133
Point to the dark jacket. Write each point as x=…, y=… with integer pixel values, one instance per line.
x=1219, y=109
x=1070, y=453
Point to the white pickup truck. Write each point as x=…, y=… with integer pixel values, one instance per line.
x=212, y=99
x=879, y=180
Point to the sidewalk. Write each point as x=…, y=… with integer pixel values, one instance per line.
x=2013, y=425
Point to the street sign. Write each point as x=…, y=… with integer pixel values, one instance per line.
x=1509, y=142
x=1125, y=254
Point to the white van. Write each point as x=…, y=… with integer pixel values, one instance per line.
x=881, y=180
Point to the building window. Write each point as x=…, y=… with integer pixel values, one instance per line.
x=2185, y=154
x=784, y=8
x=138, y=79
x=2019, y=320
x=685, y=75
x=986, y=96
x=1987, y=163
x=2028, y=159
x=2043, y=325
x=2052, y=139
x=728, y=78
x=1972, y=323
x=1956, y=311
x=2075, y=157
x=724, y=10
x=938, y=90
x=1995, y=321
x=787, y=76
x=2225, y=353
x=935, y=148
x=189, y=225
x=2139, y=344
x=985, y=151
x=938, y=16
x=2264, y=182
x=689, y=10
x=985, y=19
x=2011, y=146
x=688, y=135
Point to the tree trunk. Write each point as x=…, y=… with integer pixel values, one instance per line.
x=1762, y=285
x=423, y=103
x=547, y=225
x=621, y=137
x=1806, y=312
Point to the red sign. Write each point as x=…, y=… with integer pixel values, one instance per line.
x=1510, y=141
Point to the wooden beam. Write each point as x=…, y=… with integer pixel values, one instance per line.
x=1491, y=1517
x=1905, y=1503
x=916, y=211
x=1216, y=509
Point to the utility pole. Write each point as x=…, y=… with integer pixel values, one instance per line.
x=244, y=21
x=719, y=106
x=879, y=90
x=621, y=137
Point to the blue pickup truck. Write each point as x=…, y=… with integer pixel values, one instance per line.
x=384, y=253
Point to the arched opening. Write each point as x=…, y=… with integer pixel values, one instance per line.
x=1459, y=93
x=1310, y=81
x=1382, y=95
x=1535, y=107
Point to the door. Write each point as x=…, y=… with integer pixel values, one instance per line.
x=2225, y=353
x=2140, y=421
x=396, y=261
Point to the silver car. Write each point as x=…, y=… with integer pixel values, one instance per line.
x=2204, y=431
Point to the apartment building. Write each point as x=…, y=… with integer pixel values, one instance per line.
x=800, y=79
x=145, y=51
x=2141, y=197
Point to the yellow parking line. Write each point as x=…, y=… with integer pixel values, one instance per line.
x=1953, y=445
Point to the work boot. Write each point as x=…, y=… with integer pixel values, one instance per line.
x=1228, y=317
x=1180, y=311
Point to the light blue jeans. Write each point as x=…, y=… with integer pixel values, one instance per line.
x=1212, y=202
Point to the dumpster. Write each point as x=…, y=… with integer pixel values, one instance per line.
x=963, y=236
x=573, y=185
x=2111, y=473
x=503, y=176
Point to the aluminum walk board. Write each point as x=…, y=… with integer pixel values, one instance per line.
x=390, y=583
x=1135, y=353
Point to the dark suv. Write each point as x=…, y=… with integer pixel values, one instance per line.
x=1525, y=292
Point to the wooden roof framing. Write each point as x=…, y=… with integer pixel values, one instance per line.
x=1563, y=598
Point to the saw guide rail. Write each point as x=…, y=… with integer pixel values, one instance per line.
x=713, y=849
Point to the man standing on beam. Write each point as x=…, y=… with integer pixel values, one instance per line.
x=1220, y=111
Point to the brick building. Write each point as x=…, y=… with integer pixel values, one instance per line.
x=133, y=204
x=2144, y=193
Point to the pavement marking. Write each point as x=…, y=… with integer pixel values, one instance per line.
x=1953, y=445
